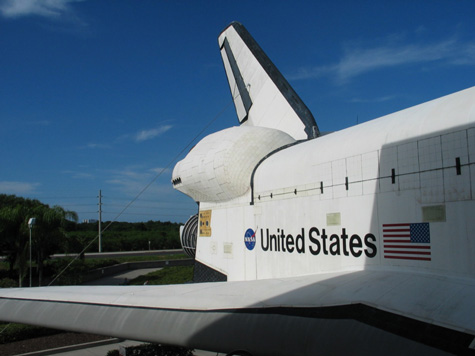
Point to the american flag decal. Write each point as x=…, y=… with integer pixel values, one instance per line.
x=407, y=241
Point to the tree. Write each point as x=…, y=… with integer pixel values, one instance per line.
x=14, y=237
x=48, y=233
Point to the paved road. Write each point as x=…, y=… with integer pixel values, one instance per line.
x=102, y=350
x=120, y=278
x=118, y=254
x=124, y=254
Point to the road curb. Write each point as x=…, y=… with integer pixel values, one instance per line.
x=72, y=347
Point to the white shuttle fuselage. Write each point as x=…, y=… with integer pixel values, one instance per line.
x=394, y=192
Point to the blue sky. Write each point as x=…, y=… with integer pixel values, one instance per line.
x=104, y=94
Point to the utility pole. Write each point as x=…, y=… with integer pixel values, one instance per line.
x=100, y=221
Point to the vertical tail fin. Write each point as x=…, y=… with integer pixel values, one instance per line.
x=262, y=96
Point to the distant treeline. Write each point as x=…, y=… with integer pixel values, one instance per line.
x=123, y=226
x=124, y=236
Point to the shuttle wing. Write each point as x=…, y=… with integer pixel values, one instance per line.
x=373, y=312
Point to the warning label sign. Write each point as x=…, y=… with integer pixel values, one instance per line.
x=205, y=223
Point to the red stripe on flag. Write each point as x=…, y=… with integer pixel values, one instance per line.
x=396, y=230
x=408, y=258
x=408, y=252
x=407, y=246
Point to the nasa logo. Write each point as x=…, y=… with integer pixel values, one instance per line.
x=250, y=239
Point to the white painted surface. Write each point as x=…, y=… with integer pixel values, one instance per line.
x=443, y=300
x=269, y=107
x=219, y=167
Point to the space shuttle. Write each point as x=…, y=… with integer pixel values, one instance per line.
x=360, y=241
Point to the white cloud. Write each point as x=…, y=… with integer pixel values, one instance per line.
x=140, y=136
x=8, y=187
x=311, y=72
x=357, y=60
x=143, y=195
x=79, y=174
x=160, y=170
x=44, y=8
x=133, y=180
x=96, y=146
x=40, y=123
x=380, y=99
x=145, y=135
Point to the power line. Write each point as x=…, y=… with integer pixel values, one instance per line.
x=146, y=207
x=144, y=189
x=149, y=214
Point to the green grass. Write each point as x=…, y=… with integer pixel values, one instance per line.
x=178, y=256
x=79, y=268
x=168, y=275
x=18, y=332
x=93, y=263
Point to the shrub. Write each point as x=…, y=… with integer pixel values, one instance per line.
x=8, y=283
x=154, y=350
x=19, y=332
x=168, y=275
